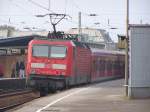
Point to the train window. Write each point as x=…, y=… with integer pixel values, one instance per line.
x=58, y=51
x=94, y=65
x=40, y=50
x=102, y=65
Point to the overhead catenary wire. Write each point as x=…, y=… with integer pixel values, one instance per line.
x=66, y=2
x=78, y=8
x=10, y=16
x=17, y=4
x=38, y=5
x=20, y=7
x=87, y=14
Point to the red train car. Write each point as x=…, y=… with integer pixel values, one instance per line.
x=54, y=64
x=57, y=63
x=107, y=64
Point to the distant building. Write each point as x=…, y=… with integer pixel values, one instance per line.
x=5, y=31
x=8, y=31
x=17, y=33
x=98, y=38
x=27, y=33
x=95, y=36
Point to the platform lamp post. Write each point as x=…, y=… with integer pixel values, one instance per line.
x=127, y=49
x=79, y=25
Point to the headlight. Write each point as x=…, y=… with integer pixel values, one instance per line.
x=32, y=71
x=37, y=65
x=59, y=66
x=63, y=73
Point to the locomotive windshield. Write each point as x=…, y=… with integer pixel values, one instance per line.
x=40, y=50
x=49, y=51
x=58, y=51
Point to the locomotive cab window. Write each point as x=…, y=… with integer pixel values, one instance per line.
x=58, y=51
x=40, y=50
x=49, y=51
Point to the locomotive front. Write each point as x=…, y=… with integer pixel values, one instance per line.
x=48, y=64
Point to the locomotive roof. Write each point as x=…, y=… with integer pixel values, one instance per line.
x=76, y=43
x=17, y=42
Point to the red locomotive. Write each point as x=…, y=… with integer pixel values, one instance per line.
x=55, y=64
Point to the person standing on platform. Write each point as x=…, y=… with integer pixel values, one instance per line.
x=1, y=71
x=13, y=70
x=17, y=69
x=22, y=70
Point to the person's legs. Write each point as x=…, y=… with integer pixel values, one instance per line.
x=22, y=74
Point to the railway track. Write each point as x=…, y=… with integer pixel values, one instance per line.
x=13, y=98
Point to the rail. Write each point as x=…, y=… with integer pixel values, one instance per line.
x=13, y=98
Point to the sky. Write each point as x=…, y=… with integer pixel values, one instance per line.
x=110, y=14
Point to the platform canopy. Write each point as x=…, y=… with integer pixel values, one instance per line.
x=16, y=42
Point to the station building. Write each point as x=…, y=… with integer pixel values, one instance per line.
x=13, y=51
x=98, y=38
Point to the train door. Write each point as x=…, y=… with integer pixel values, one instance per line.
x=72, y=80
x=77, y=75
x=75, y=64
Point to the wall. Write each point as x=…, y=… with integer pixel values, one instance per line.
x=9, y=62
x=3, y=33
x=139, y=76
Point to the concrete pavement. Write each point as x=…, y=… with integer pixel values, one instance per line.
x=103, y=97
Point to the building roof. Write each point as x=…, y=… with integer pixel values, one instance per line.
x=17, y=42
x=140, y=25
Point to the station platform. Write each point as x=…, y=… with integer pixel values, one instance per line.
x=101, y=97
x=12, y=83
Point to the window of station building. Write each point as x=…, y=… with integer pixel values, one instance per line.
x=26, y=51
x=15, y=51
x=3, y=52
